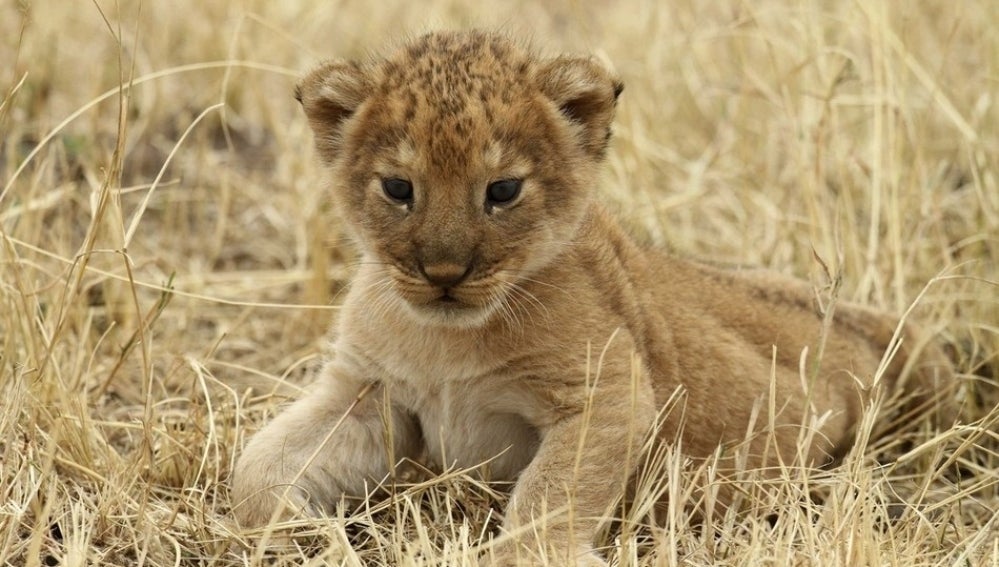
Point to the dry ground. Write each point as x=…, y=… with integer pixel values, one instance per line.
x=164, y=246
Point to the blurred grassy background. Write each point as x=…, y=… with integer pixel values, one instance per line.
x=164, y=242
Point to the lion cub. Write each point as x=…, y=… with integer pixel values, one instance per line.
x=501, y=315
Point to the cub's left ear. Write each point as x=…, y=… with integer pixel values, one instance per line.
x=585, y=92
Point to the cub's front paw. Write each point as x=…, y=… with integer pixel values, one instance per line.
x=258, y=499
x=268, y=486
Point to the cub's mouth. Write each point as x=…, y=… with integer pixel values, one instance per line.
x=450, y=299
x=447, y=298
x=459, y=306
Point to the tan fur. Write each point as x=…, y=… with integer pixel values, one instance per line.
x=563, y=338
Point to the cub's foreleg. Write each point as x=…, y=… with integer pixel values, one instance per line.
x=580, y=469
x=330, y=443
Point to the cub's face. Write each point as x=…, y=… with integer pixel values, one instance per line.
x=462, y=166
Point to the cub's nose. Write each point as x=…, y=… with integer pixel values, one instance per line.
x=445, y=274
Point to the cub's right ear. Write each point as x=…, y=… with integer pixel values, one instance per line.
x=329, y=95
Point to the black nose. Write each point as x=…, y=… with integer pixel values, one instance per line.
x=445, y=274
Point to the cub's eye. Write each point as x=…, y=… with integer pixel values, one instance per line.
x=503, y=192
x=399, y=190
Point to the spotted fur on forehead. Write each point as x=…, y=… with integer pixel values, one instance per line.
x=456, y=85
x=456, y=69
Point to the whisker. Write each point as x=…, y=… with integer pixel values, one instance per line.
x=517, y=273
x=530, y=297
x=507, y=302
x=516, y=303
x=533, y=300
x=378, y=297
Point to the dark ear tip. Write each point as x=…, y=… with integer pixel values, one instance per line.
x=618, y=88
x=298, y=93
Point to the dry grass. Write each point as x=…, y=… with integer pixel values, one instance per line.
x=164, y=245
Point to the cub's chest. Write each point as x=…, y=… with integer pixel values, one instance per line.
x=469, y=423
x=469, y=398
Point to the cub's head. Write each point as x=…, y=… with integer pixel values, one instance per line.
x=462, y=164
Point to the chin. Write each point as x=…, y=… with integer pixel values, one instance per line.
x=455, y=315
